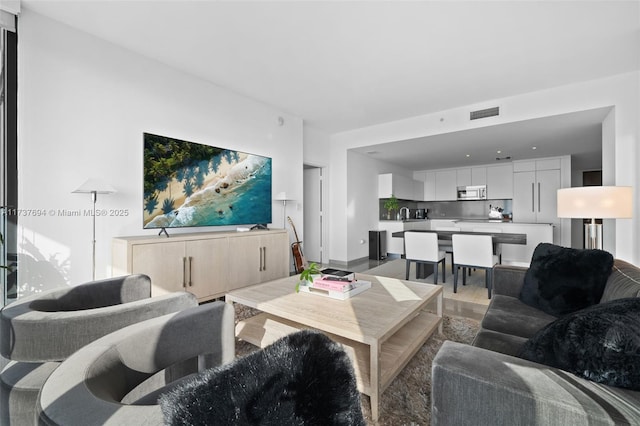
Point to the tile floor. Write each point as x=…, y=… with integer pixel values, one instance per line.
x=470, y=301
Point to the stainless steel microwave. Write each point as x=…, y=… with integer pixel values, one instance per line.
x=476, y=192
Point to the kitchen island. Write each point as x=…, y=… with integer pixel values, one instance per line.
x=512, y=254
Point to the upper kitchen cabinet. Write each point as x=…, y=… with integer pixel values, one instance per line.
x=463, y=177
x=418, y=190
x=400, y=186
x=499, y=181
x=478, y=176
x=446, y=185
x=429, y=185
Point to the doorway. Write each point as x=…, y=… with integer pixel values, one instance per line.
x=313, y=215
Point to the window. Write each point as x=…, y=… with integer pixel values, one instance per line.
x=8, y=155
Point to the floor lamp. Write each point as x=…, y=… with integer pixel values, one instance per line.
x=591, y=202
x=282, y=196
x=94, y=187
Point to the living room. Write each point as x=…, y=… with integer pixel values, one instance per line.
x=85, y=101
x=88, y=94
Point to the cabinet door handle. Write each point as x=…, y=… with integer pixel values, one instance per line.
x=538, y=197
x=264, y=258
x=260, y=269
x=190, y=262
x=184, y=272
x=533, y=200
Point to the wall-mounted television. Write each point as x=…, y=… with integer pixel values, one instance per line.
x=189, y=184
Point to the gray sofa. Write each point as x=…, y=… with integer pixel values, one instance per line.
x=486, y=384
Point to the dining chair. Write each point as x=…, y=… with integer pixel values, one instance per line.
x=422, y=248
x=446, y=246
x=473, y=251
x=497, y=248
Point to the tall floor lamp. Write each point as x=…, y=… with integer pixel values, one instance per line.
x=282, y=196
x=591, y=202
x=94, y=187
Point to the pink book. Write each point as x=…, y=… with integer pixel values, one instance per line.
x=330, y=284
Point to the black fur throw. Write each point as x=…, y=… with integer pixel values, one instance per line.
x=600, y=343
x=301, y=379
x=562, y=280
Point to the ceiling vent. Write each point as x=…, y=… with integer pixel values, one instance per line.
x=484, y=113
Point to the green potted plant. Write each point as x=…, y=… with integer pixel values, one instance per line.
x=391, y=204
x=308, y=275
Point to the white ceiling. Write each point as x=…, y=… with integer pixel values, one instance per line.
x=578, y=134
x=341, y=65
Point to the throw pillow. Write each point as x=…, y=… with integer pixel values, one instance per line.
x=600, y=343
x=562, y=280
x=304, y=378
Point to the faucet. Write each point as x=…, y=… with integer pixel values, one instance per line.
x=403, y=216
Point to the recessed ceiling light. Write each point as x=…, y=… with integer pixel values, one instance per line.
x=468, y=155
x=499, y=152
x=534, y=147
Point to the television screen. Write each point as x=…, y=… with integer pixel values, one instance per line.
x=192, y=184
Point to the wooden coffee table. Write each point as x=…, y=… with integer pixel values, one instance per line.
x=381, y=328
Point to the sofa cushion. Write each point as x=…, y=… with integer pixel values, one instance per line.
x=562, y=280
x=509, y=315
x=499, y=342
x=623, y=282
x=600, y=343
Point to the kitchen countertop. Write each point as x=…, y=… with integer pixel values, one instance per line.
x=498, y=237
x=470, y=220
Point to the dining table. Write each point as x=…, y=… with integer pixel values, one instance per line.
x=497, y=238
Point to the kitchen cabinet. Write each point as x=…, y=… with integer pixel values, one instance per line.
x=398, y=185
x=446, y=185
x=535, y=196
x=205, y=264
x=418, y=190
x=463, y=177
x=500, y=182
x=478, y=176
x=429, y=186
x=535, y=165
x=394, y=245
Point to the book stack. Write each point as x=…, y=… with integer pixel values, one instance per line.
x=328, y=272
x=336, y=287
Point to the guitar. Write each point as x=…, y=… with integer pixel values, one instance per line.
x=298, y=257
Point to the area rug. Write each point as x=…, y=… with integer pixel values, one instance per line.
x=407, y=400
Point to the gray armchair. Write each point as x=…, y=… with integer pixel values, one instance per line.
x=40, y=331
x=117, y=379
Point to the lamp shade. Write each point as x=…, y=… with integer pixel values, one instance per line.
x=602, y=202
x=95, y=185
x=282, y=196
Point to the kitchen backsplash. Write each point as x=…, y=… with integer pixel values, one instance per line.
x=452, y=209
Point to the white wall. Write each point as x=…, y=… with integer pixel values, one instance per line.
x=83, y=106
x=363, y=178
x=621, y=92
x=363, y=213
x=316, y=146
